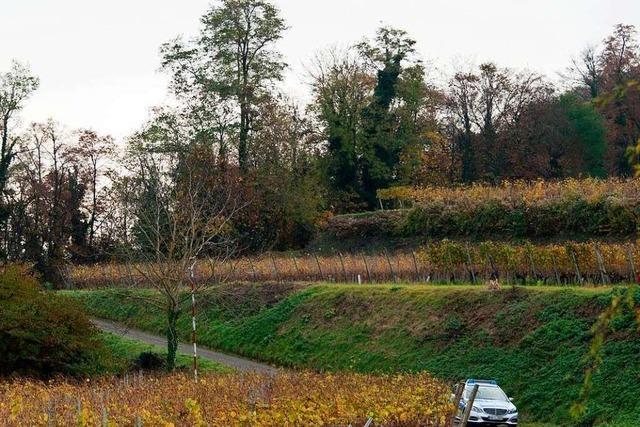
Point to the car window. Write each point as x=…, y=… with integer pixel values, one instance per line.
x=486, y=393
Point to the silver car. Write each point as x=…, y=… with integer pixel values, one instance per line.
x=491, y=406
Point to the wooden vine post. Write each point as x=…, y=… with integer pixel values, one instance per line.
x=555, y=270
x=534, y=272
x=344, y=271
x=469, y=405
x=470, y=264
x=275, y=268
x=415, y=266
x=253, y=270
x=456, y=400
x=366, y=267
x=575, y=264
x=319, y=268
x=604, y=277
x=393, y=274
x=632, y=265
x=295, y=263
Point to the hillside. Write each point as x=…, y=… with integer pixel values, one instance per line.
x=532, y=340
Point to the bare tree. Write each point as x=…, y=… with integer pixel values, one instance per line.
x=586, y=71
x=181, y=222
x=96, y=150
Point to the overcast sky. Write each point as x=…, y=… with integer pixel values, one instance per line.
x=98, y=60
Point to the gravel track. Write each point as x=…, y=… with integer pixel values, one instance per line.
x=238, y=363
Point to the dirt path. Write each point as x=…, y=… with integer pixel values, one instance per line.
x=238, y=363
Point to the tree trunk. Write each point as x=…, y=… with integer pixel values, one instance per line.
x=243, y=142
x=172, y=338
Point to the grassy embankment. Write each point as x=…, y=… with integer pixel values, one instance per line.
x=532, y=340
x=121, y=354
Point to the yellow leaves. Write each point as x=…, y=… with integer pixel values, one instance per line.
x=514, y=193
x=16, y=406
x=196, y=413
x=288, y=399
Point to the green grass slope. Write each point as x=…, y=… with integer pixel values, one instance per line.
x=121, y=353
x=532, y=340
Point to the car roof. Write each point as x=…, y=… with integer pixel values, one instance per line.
x=483, y=383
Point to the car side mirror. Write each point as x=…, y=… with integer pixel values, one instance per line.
x=511, y=399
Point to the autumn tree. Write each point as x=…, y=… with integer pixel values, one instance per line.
x=16, y=86
x=484, y=106
x=47, y=197
x=607, y=73
x=620, y=102
x=285, y=189
x=234, y=61
x=387, y=55
x=342, y=89
x=94, y=152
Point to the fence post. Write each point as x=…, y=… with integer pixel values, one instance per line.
x=467, y=409
x=470, y=264
x=575, y=264
x=393, y=275
x=193, y=321
x=555, y=270
x=456, y=400
x=534, y=272
x=451, y=268
x=295, y=263
x=495, y=275
x=275, y=268
x=319, y=268
x=253, y=270
x=366, y=266
x=603, y=272
x=344, y=271
x=415, y=266
x=632, y=265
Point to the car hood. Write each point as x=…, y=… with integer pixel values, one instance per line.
x=500, y=404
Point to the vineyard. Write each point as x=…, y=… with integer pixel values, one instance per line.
x=444, y=261
x=229, y=400
x=515, y=193
x=517, y=210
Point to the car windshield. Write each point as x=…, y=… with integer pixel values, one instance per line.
x=487, y=393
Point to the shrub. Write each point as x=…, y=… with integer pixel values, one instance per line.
x=381, y=223
x=42, y=333
x=149, y=361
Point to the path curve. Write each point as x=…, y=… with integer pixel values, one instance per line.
x=238, y=363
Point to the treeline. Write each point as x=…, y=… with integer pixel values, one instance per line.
x=236, y=155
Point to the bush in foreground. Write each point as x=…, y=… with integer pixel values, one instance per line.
x=42, y=333
x=232, y=400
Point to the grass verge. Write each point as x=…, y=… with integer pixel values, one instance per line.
x=121, y=354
